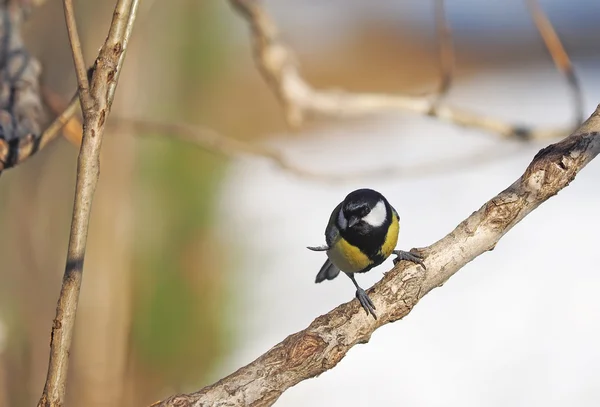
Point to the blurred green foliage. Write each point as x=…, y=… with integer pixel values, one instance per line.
x=178, y=332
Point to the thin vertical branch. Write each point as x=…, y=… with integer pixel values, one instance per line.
x=80, y=69
x=95, y=112
x=126, y=35
x=446, y=52
x=559, y=56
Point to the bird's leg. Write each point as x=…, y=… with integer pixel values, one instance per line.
x=363, y=298
x=402, y=255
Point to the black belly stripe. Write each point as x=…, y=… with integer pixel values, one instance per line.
x=368, y=240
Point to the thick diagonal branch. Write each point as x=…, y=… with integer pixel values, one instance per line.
x=96, y=99
x=326, y=341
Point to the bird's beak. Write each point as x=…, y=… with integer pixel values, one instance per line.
x=353, y=221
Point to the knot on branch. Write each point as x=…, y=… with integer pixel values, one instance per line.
x=303, y=347
x=503, y=210
x=21, y=110
x=555, y=166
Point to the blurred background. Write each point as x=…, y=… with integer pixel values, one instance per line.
x=196, y=265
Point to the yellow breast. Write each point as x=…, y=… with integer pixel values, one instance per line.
x=348, y=258
x=391, y=239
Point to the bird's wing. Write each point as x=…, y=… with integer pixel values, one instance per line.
x=331, y=231
x=395, y=212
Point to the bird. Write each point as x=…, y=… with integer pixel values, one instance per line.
x=362, y=233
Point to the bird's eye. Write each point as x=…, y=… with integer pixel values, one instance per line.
x=356, y=211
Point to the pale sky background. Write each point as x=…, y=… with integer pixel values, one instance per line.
x=518, y=326
x=314, y=23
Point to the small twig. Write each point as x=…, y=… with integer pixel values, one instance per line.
x=215, y=142
x=446, y=53
x=559, y=56
x=198, y=136
x=112, y=84
x=277, y=64
x=80, y=67
x=96, y=108
x=62, y=120
x=72, y=129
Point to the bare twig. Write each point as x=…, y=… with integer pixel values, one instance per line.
x=559, y=56
x=71, y=126
x=326, y=341
x=210, y=140
x=278, y=66
x=80, y=67
x=96, y=100
x=201, y=137
x=215, y=142
x=446, y=52
x=125, y=33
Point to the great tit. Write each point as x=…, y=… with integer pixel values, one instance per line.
x=362, y=232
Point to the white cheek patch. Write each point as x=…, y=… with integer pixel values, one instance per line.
x=377, y=216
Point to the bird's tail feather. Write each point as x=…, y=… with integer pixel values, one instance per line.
x=327, y=272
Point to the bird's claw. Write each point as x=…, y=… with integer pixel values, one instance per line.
x=366, y=302
x=414, y=258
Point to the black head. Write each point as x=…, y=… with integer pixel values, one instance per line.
x=358, y=205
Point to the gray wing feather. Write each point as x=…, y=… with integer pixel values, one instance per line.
x=395, y=212
x=327, y=272
x=332, y=232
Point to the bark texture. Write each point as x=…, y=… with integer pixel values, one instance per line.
x=326, y=341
